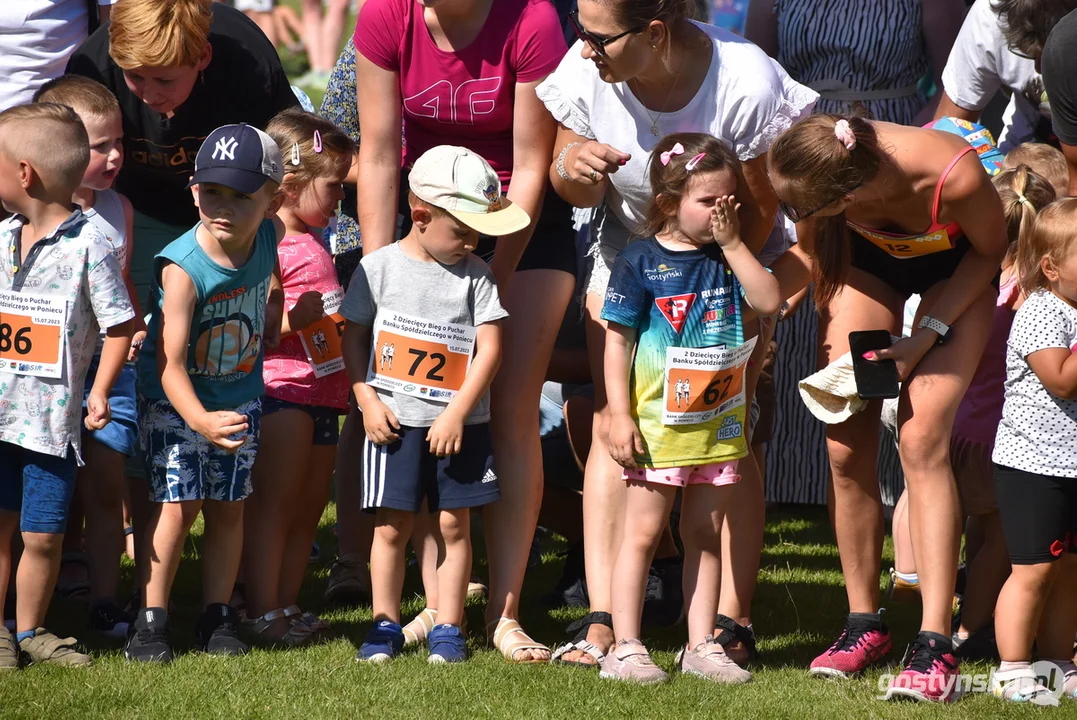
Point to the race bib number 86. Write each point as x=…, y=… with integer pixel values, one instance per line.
x=32, y=334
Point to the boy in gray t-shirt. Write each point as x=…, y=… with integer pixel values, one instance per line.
x=421, y=345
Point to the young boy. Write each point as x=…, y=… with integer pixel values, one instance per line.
x=215, y=304
x=428, y=308
x=101, y=483
x=59, y=283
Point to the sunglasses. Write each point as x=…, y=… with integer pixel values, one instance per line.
x=597, y=42
x=796, y=216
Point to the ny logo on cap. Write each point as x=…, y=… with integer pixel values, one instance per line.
x=227, y=149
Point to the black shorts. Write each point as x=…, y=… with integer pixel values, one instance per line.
x=1038, y=513
x=908, y=276
x=326, y=419
x=552, y=245
x=401, y=475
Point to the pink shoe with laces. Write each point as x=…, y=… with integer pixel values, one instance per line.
x=931, y=672
x=864, y=641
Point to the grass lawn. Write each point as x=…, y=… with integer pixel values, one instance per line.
x=799, y=609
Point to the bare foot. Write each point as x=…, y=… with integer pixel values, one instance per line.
x=598, y=635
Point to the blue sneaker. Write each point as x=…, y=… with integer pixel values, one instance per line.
x=383, y=641
x=447, y=645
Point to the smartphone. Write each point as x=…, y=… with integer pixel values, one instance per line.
x=875, y=379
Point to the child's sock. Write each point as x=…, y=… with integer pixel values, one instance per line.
x=1069, y=671
x=19, y=637
x=908, y=578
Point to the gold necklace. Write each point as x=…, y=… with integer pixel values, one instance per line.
x=673, y=85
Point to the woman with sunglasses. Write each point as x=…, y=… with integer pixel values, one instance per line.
x=862, y=193
x=464, y=72
x=641, y=70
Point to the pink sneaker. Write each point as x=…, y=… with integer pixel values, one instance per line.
x=931, y=673
x=863, y=641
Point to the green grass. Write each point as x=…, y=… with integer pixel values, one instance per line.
x=799, y=609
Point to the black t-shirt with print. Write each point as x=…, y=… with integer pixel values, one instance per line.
x=243, y=83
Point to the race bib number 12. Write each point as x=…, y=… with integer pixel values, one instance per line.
x=32, y=334
x=419, y=357
x=703, y=383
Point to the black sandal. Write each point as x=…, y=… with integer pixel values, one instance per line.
x=732, y=632
x=579, y=641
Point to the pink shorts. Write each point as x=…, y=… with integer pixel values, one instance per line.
x=723, y=473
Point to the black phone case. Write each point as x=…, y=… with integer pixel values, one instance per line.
x=875, y=379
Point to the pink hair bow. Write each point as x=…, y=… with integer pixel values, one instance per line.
x=845, y=134
x=677, y=149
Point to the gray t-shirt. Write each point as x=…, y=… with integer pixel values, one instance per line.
x=388, y=281
x=1038, y=432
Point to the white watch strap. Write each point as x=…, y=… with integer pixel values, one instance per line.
x=936, y=325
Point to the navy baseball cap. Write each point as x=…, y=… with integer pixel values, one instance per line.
x=240, y=157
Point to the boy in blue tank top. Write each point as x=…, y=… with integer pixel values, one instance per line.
x=215, y=304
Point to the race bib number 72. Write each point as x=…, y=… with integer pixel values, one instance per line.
x=418, y=357
x=32, y=334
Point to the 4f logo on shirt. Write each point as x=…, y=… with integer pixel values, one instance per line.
x=226, y=148
x=675, y=308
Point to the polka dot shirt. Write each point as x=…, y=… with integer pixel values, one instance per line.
x=1038, y=432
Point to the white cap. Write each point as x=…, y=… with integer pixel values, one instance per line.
x=464, y=185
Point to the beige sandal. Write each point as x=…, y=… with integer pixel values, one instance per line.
x=415, y=632
x=509, y=638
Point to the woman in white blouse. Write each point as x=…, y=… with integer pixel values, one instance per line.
x=642, y=70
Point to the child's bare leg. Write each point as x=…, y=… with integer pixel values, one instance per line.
x=904, y=561
x=1058, y=623
x=454, y=568
x=391, y=532
x=281, y=466
x=310, y=496
x=355, y=528
x=702, y=511
x=987, y=573
x=1020, y=606
x=166, y=531
x=646, y=514
x=36, y=577
x=222, y=546
x=102, y=484
x=9, y=523
x=426, y=542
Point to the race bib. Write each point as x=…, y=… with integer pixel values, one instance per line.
x=703, y=384
x=32, y=334
x=419, y=357
x=908, y=247
x=321, y=340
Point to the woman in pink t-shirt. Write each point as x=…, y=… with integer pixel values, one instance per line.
x=464, y=72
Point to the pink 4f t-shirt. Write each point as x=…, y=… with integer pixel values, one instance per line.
x=305, y=265
x=462, y=98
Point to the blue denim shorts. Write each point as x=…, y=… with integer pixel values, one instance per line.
x=183, y=465
x=38, y=486
x=121, y=434
x=326, y=419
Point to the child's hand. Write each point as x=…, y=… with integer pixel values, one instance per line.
x=136, y=345
x=308, y=310
x=98, y=412
x=725, y=224
x=446, y=434
x=378, y=420
x=220, y=426
x=273, y=318
x=625, y=441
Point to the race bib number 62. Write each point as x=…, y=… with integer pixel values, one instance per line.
x=32, y=334
x=418, y=357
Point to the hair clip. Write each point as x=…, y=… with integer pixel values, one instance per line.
x=691, y=164
x=845, y=134
x=317, y=141
x=295, y=154
x=677, y=149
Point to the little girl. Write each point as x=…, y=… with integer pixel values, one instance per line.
x=677, y=416
x=1036, y=467
x=306, y=386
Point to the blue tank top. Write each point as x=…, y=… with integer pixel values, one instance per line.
x=224, y=354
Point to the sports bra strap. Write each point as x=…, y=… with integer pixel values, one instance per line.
x=942, y=179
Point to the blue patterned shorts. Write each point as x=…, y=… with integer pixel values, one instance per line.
x=183, y=465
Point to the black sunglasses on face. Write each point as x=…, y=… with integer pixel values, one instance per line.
x=796, y=216
x=597, y=42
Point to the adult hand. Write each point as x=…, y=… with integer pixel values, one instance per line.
x=625, y=441
x=594, y=162
x=221, y=427
x=906, y=352
x=136, y=345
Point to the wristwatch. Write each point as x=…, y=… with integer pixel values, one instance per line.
x=937, y=326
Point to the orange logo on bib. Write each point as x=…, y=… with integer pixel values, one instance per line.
x=908, y=246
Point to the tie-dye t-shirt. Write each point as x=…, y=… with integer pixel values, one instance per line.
x=675, y=299
x=224, y=357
